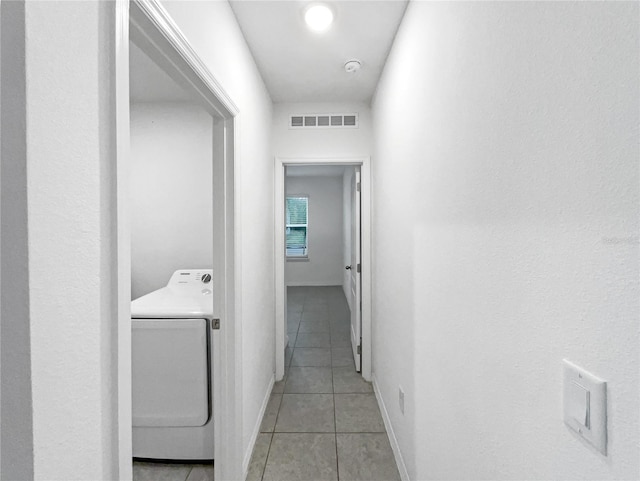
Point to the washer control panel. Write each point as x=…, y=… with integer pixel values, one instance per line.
x=191, y=277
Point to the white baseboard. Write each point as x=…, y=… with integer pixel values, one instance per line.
x=256, y=430
x=314, y=284
x=395, y=447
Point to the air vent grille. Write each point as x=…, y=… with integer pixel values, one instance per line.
x=323, y=121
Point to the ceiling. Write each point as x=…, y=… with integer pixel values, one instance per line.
x=298, y=65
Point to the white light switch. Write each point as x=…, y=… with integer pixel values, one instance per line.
x=578, y=400
x=585, y=405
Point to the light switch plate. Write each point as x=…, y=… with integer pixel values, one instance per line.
x=585, y=405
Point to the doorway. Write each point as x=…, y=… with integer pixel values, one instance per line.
x=149, y=27
x=174, y=143
x=362, y=321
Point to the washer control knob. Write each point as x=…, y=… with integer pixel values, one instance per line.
x=206, y=278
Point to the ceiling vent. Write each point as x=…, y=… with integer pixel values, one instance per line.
x=323, y=121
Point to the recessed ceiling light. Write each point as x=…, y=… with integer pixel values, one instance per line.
x=318, y=17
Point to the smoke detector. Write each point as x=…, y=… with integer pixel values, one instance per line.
x=352, y=66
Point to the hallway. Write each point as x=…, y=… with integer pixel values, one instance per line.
x=504, y=201
x=323, y=421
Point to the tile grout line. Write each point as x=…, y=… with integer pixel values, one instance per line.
x=288, y=368
x=273, y=432
x=264, y=468
x=188, y=474
x=333, y=389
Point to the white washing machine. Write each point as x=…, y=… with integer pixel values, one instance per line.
x=172, y=376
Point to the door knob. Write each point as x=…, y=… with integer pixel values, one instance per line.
x=348, y=268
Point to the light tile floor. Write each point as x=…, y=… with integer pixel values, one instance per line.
x=322, y=421
x=172, y=472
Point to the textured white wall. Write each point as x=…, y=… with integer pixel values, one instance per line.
x=324, y=266
x=213, y=32
x=506, y=235
x=171, y=192
x=61, y=316
x=319, y=143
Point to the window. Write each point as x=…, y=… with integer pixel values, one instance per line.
x=297, y=225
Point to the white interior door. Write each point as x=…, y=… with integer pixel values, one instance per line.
x=356, y=292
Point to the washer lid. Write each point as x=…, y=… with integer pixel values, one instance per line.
x=176, y=302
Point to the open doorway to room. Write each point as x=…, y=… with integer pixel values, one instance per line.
x=322, y=251
x=174, y=142
x=323, y=275
x=317, y=312
x=175, y=231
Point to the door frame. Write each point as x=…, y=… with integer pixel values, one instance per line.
x=156, y=32
x=355, y=277
x=280, y=258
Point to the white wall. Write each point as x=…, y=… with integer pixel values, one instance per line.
x=212, y=30
x=171, y=192
x=506, y=235
x=321, y=143
x=59, y=323
x=324, y=265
